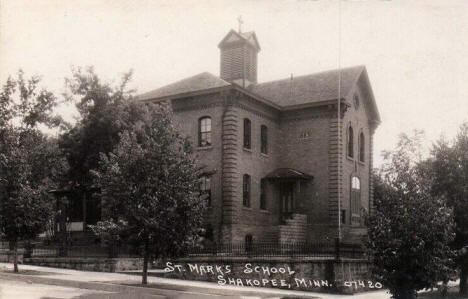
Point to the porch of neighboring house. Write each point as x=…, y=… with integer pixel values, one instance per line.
x=76, y=209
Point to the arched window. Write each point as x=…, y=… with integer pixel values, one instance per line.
x=362, y=147
x=355, y=197
x=248, y=243
x=350, y=142
x=262, y=194
x=247, y=133
x=356, y=101
x=205, y=189
x=264, y=139
x=204, y=131
x=246, y=190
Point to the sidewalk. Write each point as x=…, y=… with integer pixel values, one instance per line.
x=116, y=282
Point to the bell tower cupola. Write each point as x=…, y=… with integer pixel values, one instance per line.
x=239, y=57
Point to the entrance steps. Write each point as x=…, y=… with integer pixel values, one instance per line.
x=354, y=235
x=294, y=230
x=270, y=237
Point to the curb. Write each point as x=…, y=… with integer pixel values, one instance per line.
x=143, y=292
x=97, y=286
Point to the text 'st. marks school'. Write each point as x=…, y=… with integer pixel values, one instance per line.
x=276, y=167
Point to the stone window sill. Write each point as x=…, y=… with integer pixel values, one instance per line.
x=204, y=148
x=349, y=158
x=264, y=211
x=249, y=150
x=264, y=155
x=362, y=163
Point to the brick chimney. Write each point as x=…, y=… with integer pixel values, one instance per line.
x=239, y=58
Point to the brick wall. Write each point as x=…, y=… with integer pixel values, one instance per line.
x=187, y=112
x=252, y=220
x=306, y=135
x=302, y=139
x=358, y=119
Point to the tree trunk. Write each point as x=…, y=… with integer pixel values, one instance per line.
x=144, y=279
x=444, y=289
x=464, y=278
x=63, y=228
x=15, y=256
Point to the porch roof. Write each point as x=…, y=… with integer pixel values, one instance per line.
x=288, y=173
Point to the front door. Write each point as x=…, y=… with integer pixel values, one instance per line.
x=287, y=205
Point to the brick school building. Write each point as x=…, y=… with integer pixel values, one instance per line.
x=281, y=164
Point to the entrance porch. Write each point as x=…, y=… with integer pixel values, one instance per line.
x=292, y=215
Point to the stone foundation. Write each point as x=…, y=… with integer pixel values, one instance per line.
x=7, y=256
x=89, y=264
x=306, y=274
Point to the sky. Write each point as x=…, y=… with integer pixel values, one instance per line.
x=415, y=51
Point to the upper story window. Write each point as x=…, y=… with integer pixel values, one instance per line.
x=263, y=194
x=264, y=139
x=246, y=190
x=205, y=189
x=355, y=195
x=204, y=131
x=356, y=101
x=247, y=133
x=350, y=142
x=362, y=147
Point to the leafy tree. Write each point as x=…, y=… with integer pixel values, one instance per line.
x=449, y=168
x=410, y=229
x=30, y=162
x=105, y=111
x=149, y=186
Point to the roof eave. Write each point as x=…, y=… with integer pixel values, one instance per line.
x=315, y=104
x=256, y=96
x=256, y=42
x=186, y=94
x=288, y=174
x=376, y=118
x=220, y=45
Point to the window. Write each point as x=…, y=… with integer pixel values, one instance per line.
x=362, y=147
x=262, y=194
x=355, y=196
x=264, y=139
x=247, y=127
x=204, y=131
x=350, y=143
x=205, y=189
x=343, y=216
x=356, y=101
x=248, y=243
x=246, y=190
x=209, y=235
